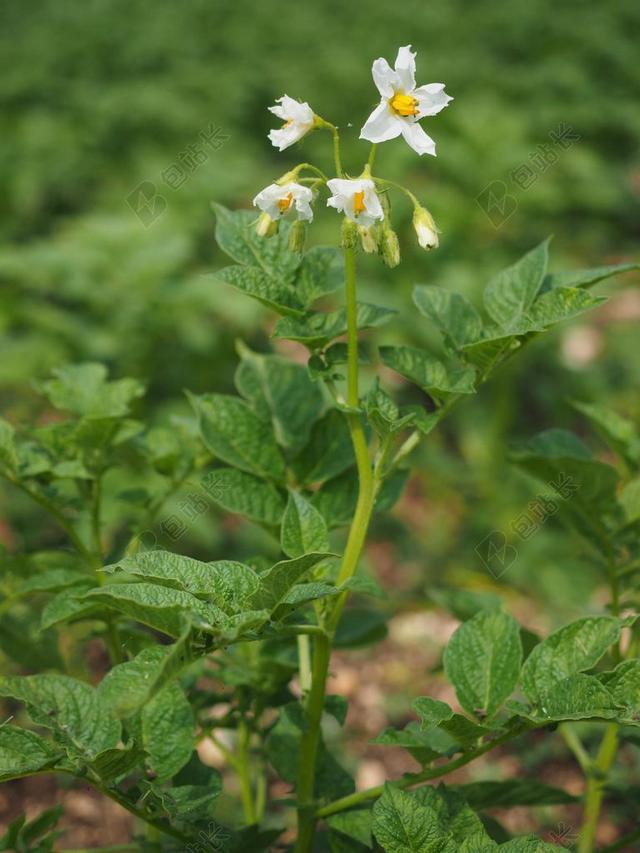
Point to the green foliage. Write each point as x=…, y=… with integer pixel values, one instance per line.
x=238, y=649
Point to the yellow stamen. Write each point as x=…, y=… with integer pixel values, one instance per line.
x=358, y=203
x=404, y=105
x=285, y=203
x=287, y=123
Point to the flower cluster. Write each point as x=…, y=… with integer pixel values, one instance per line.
x=363, y=200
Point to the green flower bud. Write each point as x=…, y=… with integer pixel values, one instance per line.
x=266, y=226
x=390, y=248
x=368, y=238
x=297, y=236
x=349, y=234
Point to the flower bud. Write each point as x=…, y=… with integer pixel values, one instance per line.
x=349, y=234
x=266, y=226
x=390, y=248
x=368, y=238
x=297, y=236
x=425, y=228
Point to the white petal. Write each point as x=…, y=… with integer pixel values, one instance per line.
x=382, y=124
x=431, y=99
x=384, y=77
x=302, y=197
x=284, y=137
x=415, y=136
x=406, y=68
x=372, y=203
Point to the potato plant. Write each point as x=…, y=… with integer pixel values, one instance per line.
x=238, y=653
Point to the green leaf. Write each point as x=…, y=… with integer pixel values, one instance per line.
x=578, y=697
x=402, y=825
x=303, y=527
x=51, y=580
x=84, y=390
x=234, y=433
x=354, y=824
x=114, y=764
x=281, y=391
x=8, y=456
x=619, y=433
x=236, y=235
x=69, y=605
x=428, y=372
x=258, y=284
x=329, y=451
x=456, y=319
x=316, y=329
x=573, y=649
x=586, y=278
x=321, y=272
x=276, y=582
x=587, y=487
x=70, y=708
x=623, y=683
x=336, y=498
x=127, y=686
x=168, y=728
x=529, y=844
x=228, y=583
x=514, y=792
x=432, y=712
x=237, y=491
x=558, y=305
x=23, y=752
x=483, y=660
x=629, y=498
x=510, y=295
x=160, y=607
x=189, y=803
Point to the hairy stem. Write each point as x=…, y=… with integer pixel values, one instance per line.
x=353, y=549
x=595, y=788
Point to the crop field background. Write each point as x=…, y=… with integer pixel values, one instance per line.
x=122, y=121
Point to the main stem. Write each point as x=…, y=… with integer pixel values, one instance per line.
x=595, y=788
x=353, y=549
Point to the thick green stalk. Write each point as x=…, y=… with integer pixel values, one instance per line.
x=409, y=780
x=595, y=788
x=353, y=549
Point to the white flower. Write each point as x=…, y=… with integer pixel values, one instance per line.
x=356, y=199
x=402, y=105
x=278, y=199
x=298, y=119
x=425, y=228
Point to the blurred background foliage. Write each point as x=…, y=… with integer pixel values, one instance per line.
x=112, y=97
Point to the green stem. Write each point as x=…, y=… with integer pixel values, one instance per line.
x=55, y=513
x=575, y=745
x=408, y=781
x=304, y=659
x=372, y=156
x=595, y=788
x=355, y=542
x=244, y=772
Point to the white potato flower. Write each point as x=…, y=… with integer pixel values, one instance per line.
x=403, y=105
x=357, y=199
x=298, y=119
x=278, y=199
